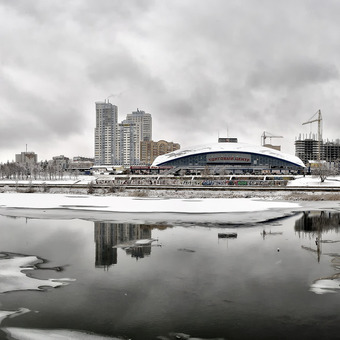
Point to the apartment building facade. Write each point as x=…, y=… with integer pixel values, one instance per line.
x=150, y=150
x=105, y=133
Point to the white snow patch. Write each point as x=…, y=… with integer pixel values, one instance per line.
x=51, y=334
x=138, y=205
x=10, y=314
x=310, y=181
x=325, y=286
x=12, y=277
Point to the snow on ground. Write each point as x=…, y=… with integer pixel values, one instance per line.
x=138, y=204
x=82, y=179
x=310, y=181
x=127, y=209
x=75, y=203
x=299, y=181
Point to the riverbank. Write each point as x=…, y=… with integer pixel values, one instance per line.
x=300, y=189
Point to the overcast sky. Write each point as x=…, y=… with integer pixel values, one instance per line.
x=202, y=68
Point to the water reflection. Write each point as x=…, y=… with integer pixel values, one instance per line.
x=197, y=283
x=135, y=239
x=318, y=221
x=315, y=224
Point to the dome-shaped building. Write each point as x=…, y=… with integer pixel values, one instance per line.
x=232, y=156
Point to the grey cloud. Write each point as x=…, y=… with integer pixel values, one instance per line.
x=292, y=74
x=197, y=67
x=113, y=66
x=95, y=11
x=33, y=117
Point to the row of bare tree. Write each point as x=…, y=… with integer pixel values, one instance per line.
x=39, y=171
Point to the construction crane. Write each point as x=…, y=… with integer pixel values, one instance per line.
x=317, y=117
x=269, y=135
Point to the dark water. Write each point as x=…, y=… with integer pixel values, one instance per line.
x=254, y=286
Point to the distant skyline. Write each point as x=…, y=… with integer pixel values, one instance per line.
x=202, y=69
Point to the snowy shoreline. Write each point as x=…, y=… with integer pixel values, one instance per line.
x=125, y=209
x=299, y=189
x=131, y=204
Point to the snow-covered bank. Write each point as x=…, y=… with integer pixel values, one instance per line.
x=310, y=181
x=138, y=204
x=222, y=210
x=127, y=203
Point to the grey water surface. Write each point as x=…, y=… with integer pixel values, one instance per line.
x=276, y=280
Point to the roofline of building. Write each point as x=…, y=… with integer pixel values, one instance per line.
x=223, y=147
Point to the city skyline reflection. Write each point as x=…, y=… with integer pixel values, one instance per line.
x=110, y=236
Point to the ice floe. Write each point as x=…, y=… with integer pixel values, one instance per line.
x=52, y=334
x=13, y=277
x=325, y=286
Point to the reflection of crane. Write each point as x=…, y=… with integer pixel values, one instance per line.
x=317, y=250
x=319, y=120
x=320, y=223
x=269, y=135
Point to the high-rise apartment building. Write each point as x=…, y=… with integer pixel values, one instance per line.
x=105, y=133
x=119, y=143
x=144, y=123
x=127, y=143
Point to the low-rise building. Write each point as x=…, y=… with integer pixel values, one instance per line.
x=61, y=162
x=81, y=164
x=231, y=157
x=150, y=150
x=27, y=158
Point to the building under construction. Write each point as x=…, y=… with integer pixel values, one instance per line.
x=313, y=148
x=307, y=150
x=331, y=151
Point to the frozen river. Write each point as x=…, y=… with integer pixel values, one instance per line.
x=76, y=278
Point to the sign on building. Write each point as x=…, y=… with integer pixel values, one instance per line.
x=229, y=158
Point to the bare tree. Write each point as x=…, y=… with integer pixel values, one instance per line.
x=323, y=170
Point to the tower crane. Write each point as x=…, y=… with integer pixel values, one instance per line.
x=317, y=117
x=266, y=135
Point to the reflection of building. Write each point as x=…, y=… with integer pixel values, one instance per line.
x=105, y=239
x=109, y=236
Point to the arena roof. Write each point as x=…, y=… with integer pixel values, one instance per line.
x=227, y=147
